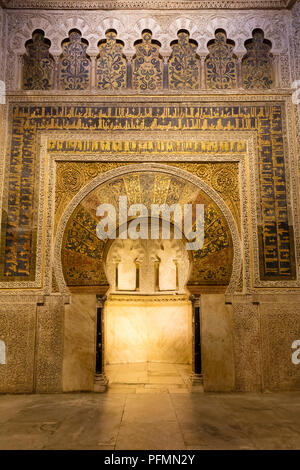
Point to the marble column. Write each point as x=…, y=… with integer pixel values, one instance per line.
x=101, y=381
x=196, y=378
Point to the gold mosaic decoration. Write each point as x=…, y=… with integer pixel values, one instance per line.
x=111, y=63
x=72, y=176
x=74, y=63
x=184, y=64
x=223, y=178
x=18, y=244
x=221, y=63
x=82, y=253
x=147, y=64
x=257, y=64
x=38, y=63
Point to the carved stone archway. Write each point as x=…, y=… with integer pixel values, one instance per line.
x=145, y=167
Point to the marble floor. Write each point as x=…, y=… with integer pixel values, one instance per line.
x=149, y=377
x=158, y=420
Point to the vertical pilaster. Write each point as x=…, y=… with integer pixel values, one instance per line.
x=196, y=378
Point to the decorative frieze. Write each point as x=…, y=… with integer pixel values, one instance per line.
x=129, y=25
x=151, y=4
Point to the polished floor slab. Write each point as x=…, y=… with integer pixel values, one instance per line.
x=147, y=377
x=156, y=420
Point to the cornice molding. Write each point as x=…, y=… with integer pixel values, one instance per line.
x=149, y=5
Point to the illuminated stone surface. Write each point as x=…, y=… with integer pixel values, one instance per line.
x=157, y=420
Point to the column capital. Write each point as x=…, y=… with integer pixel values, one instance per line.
x=195, y=299
x=101, y=300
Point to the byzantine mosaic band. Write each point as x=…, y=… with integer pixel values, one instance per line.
x=267, y=120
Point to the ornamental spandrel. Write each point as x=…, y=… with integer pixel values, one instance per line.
x=221, y=63
x=147, y=64
x=38, y=63
x=184, y=64
x=111, y=63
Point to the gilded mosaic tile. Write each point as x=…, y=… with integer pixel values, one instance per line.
x=267, y=120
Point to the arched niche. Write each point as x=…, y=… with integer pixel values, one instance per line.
x=148, y=266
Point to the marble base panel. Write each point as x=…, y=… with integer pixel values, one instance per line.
x=144, y=330
x=216, y=343
x=80, y=343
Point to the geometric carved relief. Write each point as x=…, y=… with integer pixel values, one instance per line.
x=111, y=63
x=280, y=327
x=38, y=63
x=72, y=176
x=223, y=178
x=221, y=63
x=17, y=328
x=257, y=64
x=247, y=353
x=184, y=64
x=74, y=63
x=147, y=64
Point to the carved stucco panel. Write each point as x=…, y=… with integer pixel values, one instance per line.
x=17, y=330
x=49, y=358
x=247, y=353
x=129, y=25
x=280, y=328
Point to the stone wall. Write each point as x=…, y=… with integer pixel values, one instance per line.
x=217, y=343
x=79, y=343
x=265, y=326
x=18, y=330
x=280, y=327
x=31, y=327
x=141, y=330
